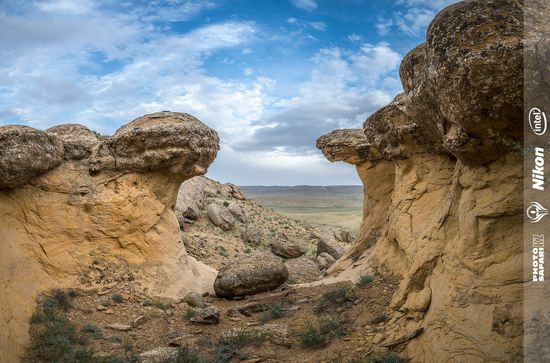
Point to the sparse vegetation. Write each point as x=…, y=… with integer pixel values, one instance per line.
x=318, y=335
x=380, y=318
x=190, y=313
x=93, y=329
x=57, y=298
x=333, y=298
x=275, y=311
x=365, y=280
x=187, y=355
x=118, y=298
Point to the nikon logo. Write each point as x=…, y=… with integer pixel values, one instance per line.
x=537, y=174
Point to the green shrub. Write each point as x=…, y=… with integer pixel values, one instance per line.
x=311, y=338
x=275, y=311
x=118, y=298
x=94, y=330
x=380, y=318
x=365, y=280
x=190, y=313
x=332, y=298
x=57, y=298
x=186, y=355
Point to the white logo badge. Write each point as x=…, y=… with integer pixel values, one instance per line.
x=537, y=121
x=535, y=212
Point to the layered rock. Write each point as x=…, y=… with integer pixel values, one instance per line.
x=69, y=197
x=443, y=202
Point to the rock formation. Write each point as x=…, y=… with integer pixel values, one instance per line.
x=250, y=274
x=70, y=198
x=442, y=172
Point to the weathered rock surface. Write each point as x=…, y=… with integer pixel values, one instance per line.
x=283, y=247
x=220, y=216
x=61, y=210
x=158, y=355
x=208, y=315
x=26, y=153
x=253, y=234
x=324, y=261
x=440, y=190
x=238, y=212
x=302, y=270
x=327, y=243
x=250, y=274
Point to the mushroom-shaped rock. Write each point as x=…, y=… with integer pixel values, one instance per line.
x=26, y=153
x=283, y=247
x=78, y=140
x=250, y=274
x=473, y=78
x=349, y=145
x=171, y=142
x=395, y=135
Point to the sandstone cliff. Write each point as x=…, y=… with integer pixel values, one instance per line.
x=70, y=199
x=442, y=172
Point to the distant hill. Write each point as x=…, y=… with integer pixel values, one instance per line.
x=309, y=190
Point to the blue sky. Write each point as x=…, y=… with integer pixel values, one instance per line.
x=270, y=76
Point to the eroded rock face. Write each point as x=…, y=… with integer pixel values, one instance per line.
x=26, y=153
x=220, y=216
x=250, y=274
x=66, y=204
x=440, y=190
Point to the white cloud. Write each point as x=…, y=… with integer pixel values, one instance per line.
x=65, y=6
x=415, y=17
x=383, y=26
x=301, y=24
x=308, y=5
x=376, y=60
x=354, y=38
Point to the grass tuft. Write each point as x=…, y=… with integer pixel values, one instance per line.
x=365, y=280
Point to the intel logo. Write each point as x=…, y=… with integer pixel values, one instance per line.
x=537, y=121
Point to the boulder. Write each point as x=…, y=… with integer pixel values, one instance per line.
x=324, y=261
x=194, y=299
x=78, y=140
x=302, y=270
x=252, y=235
x=220, y=216
x=238, y=212
x=250, y=274
x=327, y=243
x=283, y=247
x=208, y=315
x=26, y=153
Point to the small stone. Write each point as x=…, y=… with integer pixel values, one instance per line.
x=195, y=300
x=103, y=292
x=119, y=327
x=139, y=320
x=377, y=338
x=208, y=315
x=109, y=311
x=100, y=307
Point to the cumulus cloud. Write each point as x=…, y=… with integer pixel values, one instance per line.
x=415, y=18
x=341, y=92
x=308, y=5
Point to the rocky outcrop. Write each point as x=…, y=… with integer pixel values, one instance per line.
x=70, y=198
x=250, y=274
x=442, y=174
